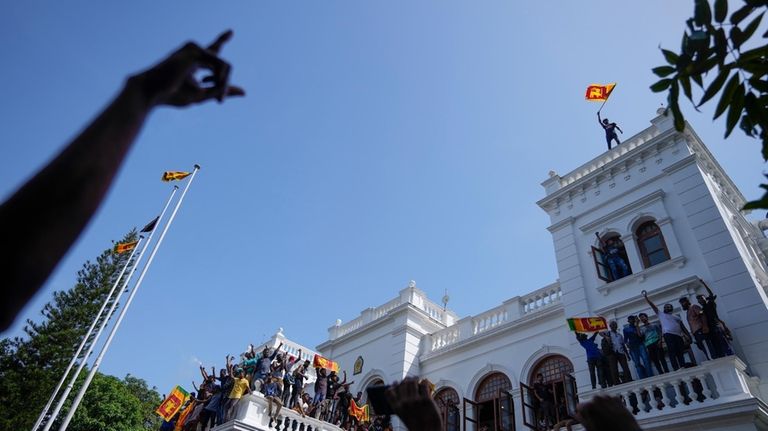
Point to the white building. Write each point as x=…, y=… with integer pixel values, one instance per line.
x=677, y=212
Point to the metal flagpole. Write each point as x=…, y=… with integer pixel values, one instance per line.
x=105, y=322
x=97, y=362
x=85, y=339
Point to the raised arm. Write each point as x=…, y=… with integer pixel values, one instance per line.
x=203, y=373
x=600, y=240
x=599, y=120
x=62, y=197
x=709, y=291
x=653, y=306
x=619, y=128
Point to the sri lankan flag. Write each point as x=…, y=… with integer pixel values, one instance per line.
x=587, y=324
x=172, y=403
x=362, y=414
x=599, y=92
x=175, y=175
x=125, y=246
x=321, y=362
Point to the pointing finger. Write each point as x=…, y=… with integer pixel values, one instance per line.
x=215, y=47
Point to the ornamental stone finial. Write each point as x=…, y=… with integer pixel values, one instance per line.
x=411, y=284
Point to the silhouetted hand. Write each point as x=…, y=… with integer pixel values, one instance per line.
x=606, y=414
x=412, y=402
x=173, y=82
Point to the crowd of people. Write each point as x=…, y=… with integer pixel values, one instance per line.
x=648, y=344
x=281, y=378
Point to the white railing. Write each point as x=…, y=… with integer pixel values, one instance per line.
x=712, y=382
x=607, y=157
x=508, y=312
x=542, y=298
x=490, y=319
x=410, y=295
x=252, y=412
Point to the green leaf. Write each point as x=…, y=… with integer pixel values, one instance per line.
x=702, y=14
x=740, y=14
x=721, y=45
x=677, y=115
x=737, y=107
x=663, y=71
x=661, y=85
x=715, y=86
x=752, y=26
x=721, y=10
x=725, y=97
x=737, y=37
x=670, y=56
x=754, y=53
x=685, y=82
x=697, y=79
x=759, y=84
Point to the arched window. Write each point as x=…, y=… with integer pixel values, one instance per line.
x=653, y=249
x=447, y=400
x=611, y=261
x=490, y=386
x=553, y=368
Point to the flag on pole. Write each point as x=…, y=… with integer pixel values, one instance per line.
x=125, y=246
x=599, y=92
x=150, y=226
x=362, y=414
x=172, y=403
x=587, y=324
x=175, y=175
x=321, y=362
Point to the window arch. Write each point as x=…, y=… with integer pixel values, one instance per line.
x=447, y=400
x=490, y=386
x=553, y=367
x=610, y=256
x=650, y=241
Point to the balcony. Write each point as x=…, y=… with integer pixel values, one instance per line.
x=700, y=393
x=252, y=414
x=515, y=309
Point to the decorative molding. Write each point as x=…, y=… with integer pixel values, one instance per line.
x=640, y=277
x=633, y=206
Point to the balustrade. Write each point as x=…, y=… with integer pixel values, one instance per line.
x=252, y=413
x=712, y=382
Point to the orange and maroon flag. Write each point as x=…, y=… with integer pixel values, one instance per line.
x=599, y=92
x=587, y=324
x=175, y=175
x=362, y=414
x=172, y=403
x=321, y=362
x=125, y=246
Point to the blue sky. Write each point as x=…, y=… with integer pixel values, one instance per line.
x=379, y=142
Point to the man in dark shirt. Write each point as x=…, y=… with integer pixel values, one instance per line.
x=610, y=130
x=717, y=329
x=636, y=348
x=544, y=403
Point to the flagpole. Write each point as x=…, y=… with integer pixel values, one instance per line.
x=97, y=362
x=85, y=339
x=105, y=322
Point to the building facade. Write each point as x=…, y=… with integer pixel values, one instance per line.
x=674, y=216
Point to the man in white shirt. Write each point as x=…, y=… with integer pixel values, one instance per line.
x=618, y=355
x=672, y=329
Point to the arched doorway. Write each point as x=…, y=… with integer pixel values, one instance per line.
x=557, y=386
x=447, y=400
x=492, y=408
x=364, y=400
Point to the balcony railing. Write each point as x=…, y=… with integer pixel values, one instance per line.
x=510, y=311
x=252, y=413
x=410, y=295
x=711, y=383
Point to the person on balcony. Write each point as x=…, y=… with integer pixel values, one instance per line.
x=698, y=324
x=299, y=375
x=636, y=348
x=594, y=357
x=652, y=339
x=240, y=387
x=672, y=330
x=718, y=331
x=618, y=355
x=288, y=376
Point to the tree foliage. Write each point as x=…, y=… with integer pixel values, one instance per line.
x=721, y=55
x=31, y=366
